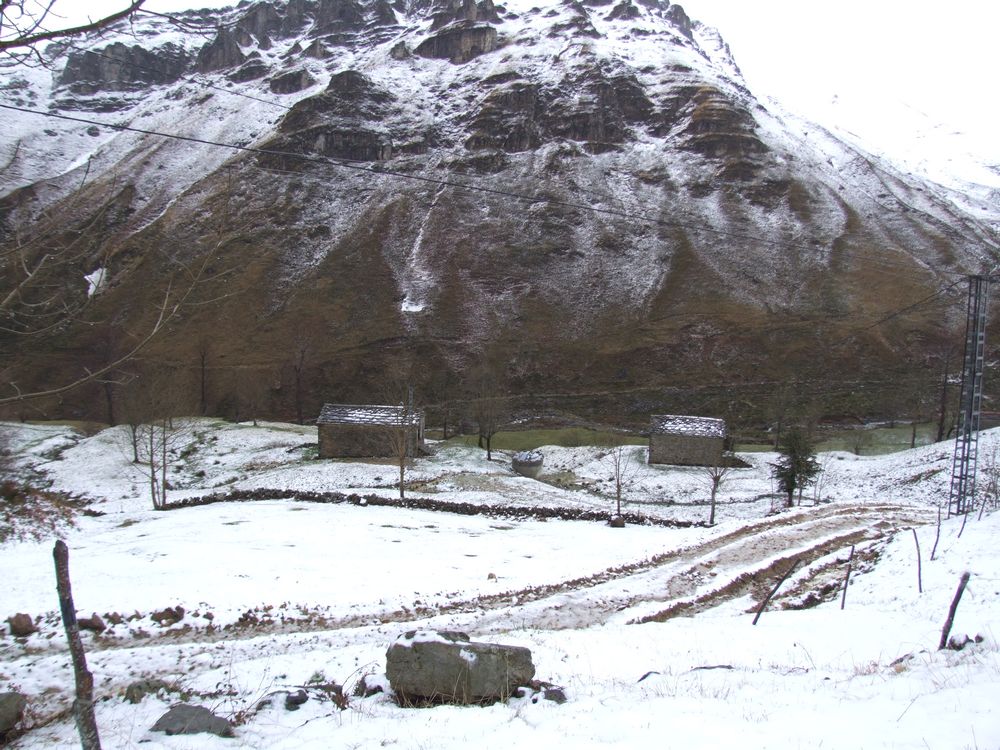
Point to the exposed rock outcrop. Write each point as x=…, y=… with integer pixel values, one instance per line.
x=291, y=82
x=119, y=67
x=459, y=43
x=222, y=52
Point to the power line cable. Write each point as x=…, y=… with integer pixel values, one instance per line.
x=363, y=168
x=467, y=186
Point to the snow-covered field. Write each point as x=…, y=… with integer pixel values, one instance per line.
x=648, y=628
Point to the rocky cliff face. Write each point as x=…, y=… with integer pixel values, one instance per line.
x=582, y=197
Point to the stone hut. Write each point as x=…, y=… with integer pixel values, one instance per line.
x=368, y=431
x=686, y=441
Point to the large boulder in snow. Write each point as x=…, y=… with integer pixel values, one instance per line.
x=12, y=707
x=21, y=625
x=187, y=719
x=447, y=667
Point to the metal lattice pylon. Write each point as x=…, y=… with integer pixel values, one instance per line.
x=963, y=469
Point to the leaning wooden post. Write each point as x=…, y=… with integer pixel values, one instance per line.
x=937, y=534
x=920, y=573
x=847, y=578
x=946, y=630
x=773, y=592
x=83, y=705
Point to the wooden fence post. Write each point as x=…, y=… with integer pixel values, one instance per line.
x=83, y=704
x=847, y=578
x=777, y=586
x=946, y=630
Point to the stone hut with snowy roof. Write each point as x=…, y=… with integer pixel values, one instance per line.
x=368, y=431
x=686, y=441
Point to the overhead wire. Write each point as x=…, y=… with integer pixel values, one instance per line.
x=363, y=167
x=811, y=246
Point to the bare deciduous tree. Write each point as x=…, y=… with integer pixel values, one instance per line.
x=489, y=411
x=947, y=356
x=403, y=434
x=443, y=388
x=989, y=487
x=860, y=440
x=716, y=476
x=203, y=354
x=161, y=434
x=250, y=392
x=300, y=364
x=620, y=457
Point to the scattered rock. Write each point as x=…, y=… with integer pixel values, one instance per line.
x=139, y=689
x=555, y=694
x=187, y=719
x=114, y=618
x=959, y=642
x=399, y=51
x=93, y=623
x=21, y=625
x=169, y=616
x=370, y=685
x=543, y=691
x=296, y=699
x=12, y=707
x=711, y=666
x=446, y=667
x=618, y=522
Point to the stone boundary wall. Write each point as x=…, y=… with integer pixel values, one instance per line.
x=419, y=503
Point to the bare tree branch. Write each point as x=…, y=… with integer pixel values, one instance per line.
x=24, y=28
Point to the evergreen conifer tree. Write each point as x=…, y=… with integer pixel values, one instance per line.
x=797, y=467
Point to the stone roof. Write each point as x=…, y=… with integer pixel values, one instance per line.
x=673, y=424
x=371, y=415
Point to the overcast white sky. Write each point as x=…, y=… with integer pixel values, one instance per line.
x=888, y=70
x=908, y=76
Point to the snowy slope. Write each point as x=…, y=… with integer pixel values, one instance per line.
x=280, y=594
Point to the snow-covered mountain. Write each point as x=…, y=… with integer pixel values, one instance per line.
x=582, y=196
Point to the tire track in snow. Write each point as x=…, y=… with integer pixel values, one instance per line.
x=686, y=581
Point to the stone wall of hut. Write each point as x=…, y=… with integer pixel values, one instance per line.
x=361, y=441
x=685, y=450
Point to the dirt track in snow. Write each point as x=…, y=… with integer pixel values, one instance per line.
x=746, y=561
x=720, y=570
x=731, y=566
